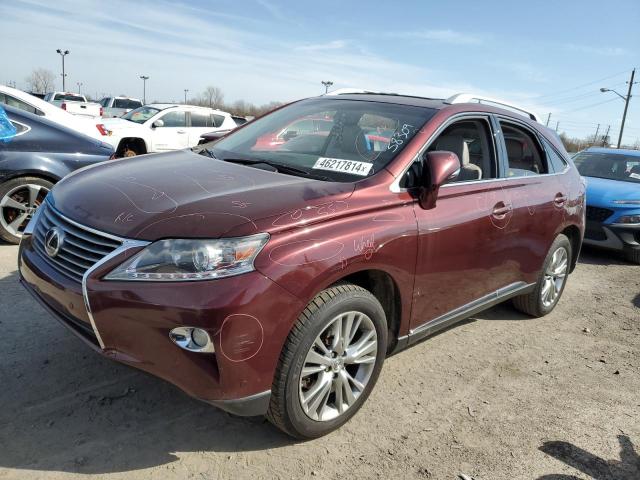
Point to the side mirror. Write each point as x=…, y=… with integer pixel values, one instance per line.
x=158, y=123
x=438, y=168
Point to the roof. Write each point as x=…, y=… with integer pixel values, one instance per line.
x=164, y=106
x=436, y=103
x=615, y=151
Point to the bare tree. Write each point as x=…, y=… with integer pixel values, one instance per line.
x=41, y=80
x=213, y=96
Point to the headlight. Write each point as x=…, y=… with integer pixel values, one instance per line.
x=629, y=219
x=627, y=202
x=180, y=260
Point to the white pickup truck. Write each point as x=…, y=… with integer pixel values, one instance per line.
x=74, y=103
x=113, y=107
x=161, y=127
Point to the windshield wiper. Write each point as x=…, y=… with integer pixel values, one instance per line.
x=278, y=166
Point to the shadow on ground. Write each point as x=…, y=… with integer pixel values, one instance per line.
x=627, y=468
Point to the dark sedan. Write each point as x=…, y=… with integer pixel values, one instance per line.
x=34, y=154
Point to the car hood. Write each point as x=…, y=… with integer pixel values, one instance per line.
x=602, y=192
x=184, y=195
x=117, y=124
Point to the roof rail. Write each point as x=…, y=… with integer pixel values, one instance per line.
x=470, y=98
x=346, y=91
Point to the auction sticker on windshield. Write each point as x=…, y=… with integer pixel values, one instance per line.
x=345, y=166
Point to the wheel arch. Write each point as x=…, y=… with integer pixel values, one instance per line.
x=572, y=232
x=132, y=141
x=384, y=287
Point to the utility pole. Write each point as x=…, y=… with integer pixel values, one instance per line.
x=144, y=88
x=557, y=124
x=595, y=137
x=626, y=102
x=548, y=118
x=185, y=95
x=626, y=106
x=606, y=135
x=63, y=54
x=326, y=84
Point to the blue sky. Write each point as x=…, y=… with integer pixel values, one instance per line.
x=549, y=55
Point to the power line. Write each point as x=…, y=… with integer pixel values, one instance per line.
x=592, y=105
x=573, y=89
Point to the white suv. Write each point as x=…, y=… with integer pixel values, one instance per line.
x=160, y=127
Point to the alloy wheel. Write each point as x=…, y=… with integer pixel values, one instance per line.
x=338, y=366
x=18, y=206
x=555, y=276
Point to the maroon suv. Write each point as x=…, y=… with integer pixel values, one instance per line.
x=276, y=280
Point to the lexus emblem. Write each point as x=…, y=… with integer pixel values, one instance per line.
x=53, y=241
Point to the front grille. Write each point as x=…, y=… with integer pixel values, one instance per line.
x=598, y=214
x=81, y=248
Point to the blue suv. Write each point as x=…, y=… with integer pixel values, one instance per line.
x=613, y=199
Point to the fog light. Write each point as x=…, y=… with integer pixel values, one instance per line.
x=192, y=338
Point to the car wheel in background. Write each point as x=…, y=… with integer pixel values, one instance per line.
x=19, y=199
x=330, y=362
x=552, y=280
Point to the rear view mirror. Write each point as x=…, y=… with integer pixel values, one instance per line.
x=438, y=168
x=7, y=129
x=158, y=123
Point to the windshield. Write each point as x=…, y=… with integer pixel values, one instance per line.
x=613, y=166
x=342, y=140
x=140, y=115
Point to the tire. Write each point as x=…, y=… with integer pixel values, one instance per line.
x=632, y=256
x=338, y=305
x=536, y=303
x=26, y=191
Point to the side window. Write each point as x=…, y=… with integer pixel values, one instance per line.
x=174, y=119
x=218, y=120
x=556, y=161
x=524, y=153
x=471, y=141
x=14, y=102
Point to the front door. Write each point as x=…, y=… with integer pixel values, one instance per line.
x=461, y=253
x=173, y=134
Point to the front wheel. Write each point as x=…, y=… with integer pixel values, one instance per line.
x=330, y=362
x=19, y=199
x=553, y=278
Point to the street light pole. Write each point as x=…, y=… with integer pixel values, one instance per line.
x=185, y=95
x=79, y=85
x=626, y=102
x=63, y=54
x=144, y=88
x=326, y=84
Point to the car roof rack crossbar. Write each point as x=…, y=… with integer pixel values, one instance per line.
x=470, y=98
x=347, y=91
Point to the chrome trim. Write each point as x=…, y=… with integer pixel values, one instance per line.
x=126, y=245
x=83, y=227
x=465, y=311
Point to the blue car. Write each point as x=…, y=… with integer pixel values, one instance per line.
x=613, y=199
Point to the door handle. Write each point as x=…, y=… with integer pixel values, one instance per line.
x=500, y=210
x=181, y=131
x=560, y=199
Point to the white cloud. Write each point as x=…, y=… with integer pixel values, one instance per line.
x=332, y=45
x=441, y=36
x=603, y=51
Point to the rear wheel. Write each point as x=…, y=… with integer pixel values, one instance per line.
x=553, y=278
x=330, y=362
x=19, y=199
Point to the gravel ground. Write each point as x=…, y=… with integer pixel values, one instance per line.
x=500, y=396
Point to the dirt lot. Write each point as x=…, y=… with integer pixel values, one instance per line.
x=501, y=396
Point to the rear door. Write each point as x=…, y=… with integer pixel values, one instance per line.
x=203, y=122
x=173, y=134
x=462, y=241
x=538, y=197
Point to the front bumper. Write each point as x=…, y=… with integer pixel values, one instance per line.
x=247, y=316
x=613, y=236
